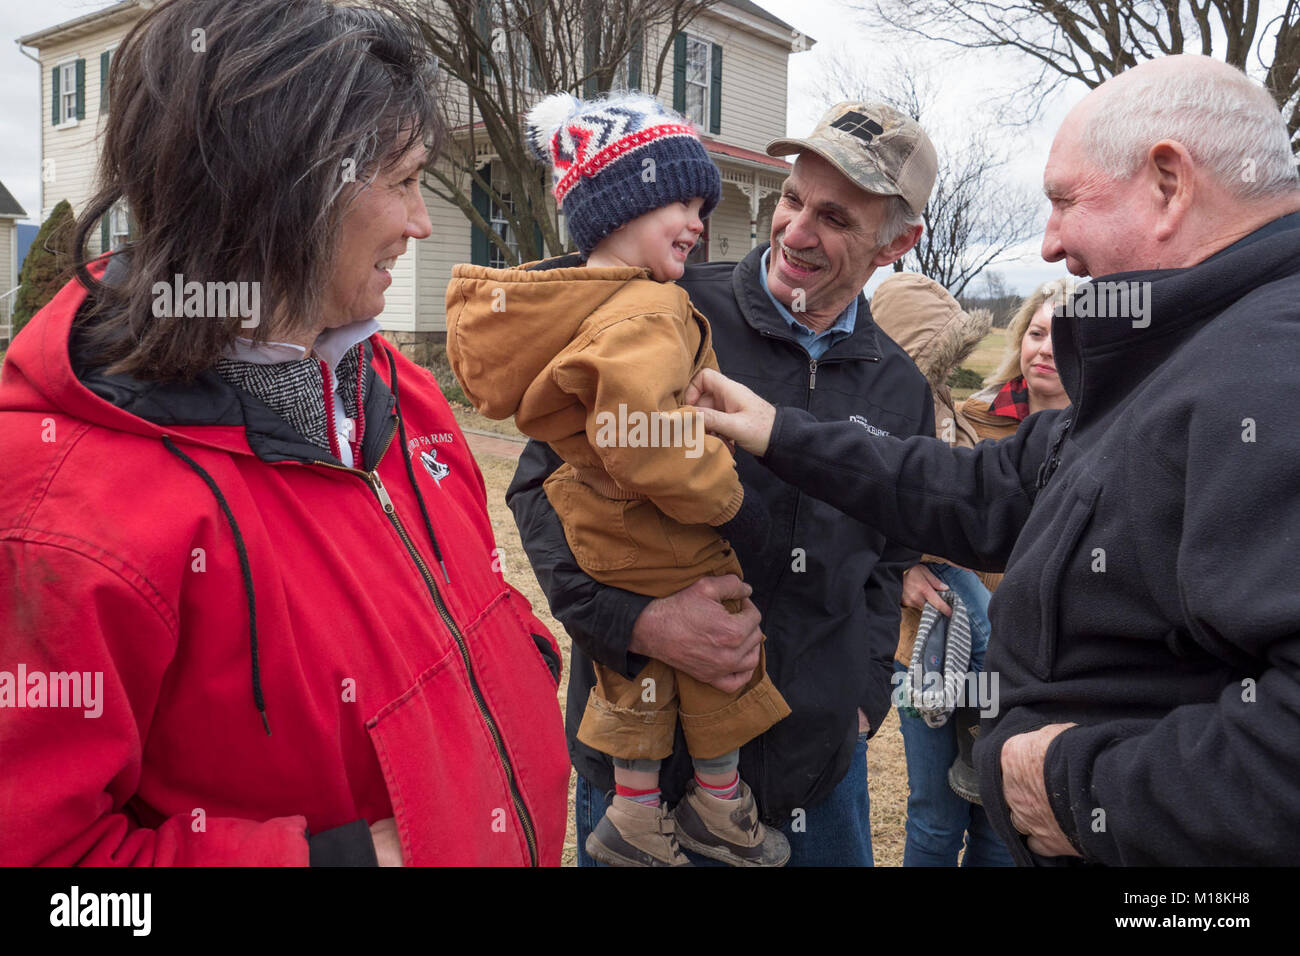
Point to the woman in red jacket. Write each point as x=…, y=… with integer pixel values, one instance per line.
x=251, y=613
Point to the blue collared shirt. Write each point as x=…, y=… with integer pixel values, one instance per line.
x=814, y=343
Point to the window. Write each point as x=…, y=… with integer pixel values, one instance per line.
x=68, y=94
x=483, y=250
x=627, y=76
x=68, y=98
x=501, y=226
x=115, y=227
x=119, y=226
x=697, y=82
x=508, y=43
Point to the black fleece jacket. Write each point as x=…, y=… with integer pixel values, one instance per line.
x=1152, y=594
x=827, y=586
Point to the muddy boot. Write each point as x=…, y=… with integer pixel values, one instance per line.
x=633, y=834
x=962, y=777
x=728, y=830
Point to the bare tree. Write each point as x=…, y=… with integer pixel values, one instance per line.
x=498, y=57
x=975, y=215
x=1092, y=40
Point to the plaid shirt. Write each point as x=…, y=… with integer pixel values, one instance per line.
x=1012, y=400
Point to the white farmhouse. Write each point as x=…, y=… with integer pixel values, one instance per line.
x=727, y=72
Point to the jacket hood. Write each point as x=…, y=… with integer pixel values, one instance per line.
x=50, y=368
x=41, y=374
x=505, y=326
x=922, y=317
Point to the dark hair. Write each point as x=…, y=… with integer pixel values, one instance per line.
x=232, y=147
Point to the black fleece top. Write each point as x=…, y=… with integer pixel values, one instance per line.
x=1149, y=535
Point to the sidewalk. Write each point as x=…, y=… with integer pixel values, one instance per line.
x=494, y=445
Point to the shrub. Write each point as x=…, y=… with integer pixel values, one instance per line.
x=965, y=378
x=440, y=366
x=43, y=274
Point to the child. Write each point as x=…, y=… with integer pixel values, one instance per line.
x=592, y=353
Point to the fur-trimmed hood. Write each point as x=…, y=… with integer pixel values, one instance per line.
x=922, y=317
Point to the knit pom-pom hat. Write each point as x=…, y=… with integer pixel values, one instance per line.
x=617, y=158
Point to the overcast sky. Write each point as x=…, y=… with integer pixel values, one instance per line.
x=963, y=87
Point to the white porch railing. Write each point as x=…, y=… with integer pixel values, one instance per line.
x=7, y=316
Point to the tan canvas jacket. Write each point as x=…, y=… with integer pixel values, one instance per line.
x=594, y=361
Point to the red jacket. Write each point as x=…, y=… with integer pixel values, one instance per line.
x=388, y=692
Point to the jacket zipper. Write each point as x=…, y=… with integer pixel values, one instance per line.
x=381, y=493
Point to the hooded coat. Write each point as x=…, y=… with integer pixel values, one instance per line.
x=179, y=542
x=582, y=358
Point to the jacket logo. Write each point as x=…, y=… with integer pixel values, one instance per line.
x=437, y=470
x=859, y=420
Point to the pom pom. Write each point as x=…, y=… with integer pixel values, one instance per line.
x=544, y=119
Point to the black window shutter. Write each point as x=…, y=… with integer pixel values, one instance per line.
x=105, y=59
x=479, y=243
x=483, y=27
x=679, y=73
x=104, y=237
x=715, y=92
x=635, y=54
x=81, y=89
x=534, y=69
x=54, y=108
x=590, y=59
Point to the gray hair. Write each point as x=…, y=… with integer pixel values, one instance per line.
x=898, y=220
x=233, y=162
x=1228, y=123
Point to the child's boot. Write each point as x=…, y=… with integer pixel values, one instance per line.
x=728, y=830
x=634, y=834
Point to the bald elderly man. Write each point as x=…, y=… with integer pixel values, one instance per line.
x=1147, y=632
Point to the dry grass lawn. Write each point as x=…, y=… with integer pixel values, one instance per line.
x=887, y=772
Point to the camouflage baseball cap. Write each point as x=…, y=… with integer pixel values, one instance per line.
x=877, y=147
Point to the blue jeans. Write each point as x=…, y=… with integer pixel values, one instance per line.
x=976, y=598
x=939, y=821
x=836, y=832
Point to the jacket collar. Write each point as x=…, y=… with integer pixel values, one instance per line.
x=211, y=411
x=1102, y=359
x=762, y=316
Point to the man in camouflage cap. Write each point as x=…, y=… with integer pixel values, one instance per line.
x=791, y=321
x=886, y=166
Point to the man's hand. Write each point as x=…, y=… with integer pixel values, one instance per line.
x=388, y=849
x=732, y=411
x=921, y=587
x=1025, y=791
x=693, y=632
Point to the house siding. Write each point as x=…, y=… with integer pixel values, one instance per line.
x=729, y=225
x=73, y=150
x=400, y=297
x=8, y=259
x=448, y=245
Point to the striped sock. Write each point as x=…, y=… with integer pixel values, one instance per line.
x=649, y=798
x=725, y=791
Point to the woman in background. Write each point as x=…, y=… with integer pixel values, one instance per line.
x=943, y=812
